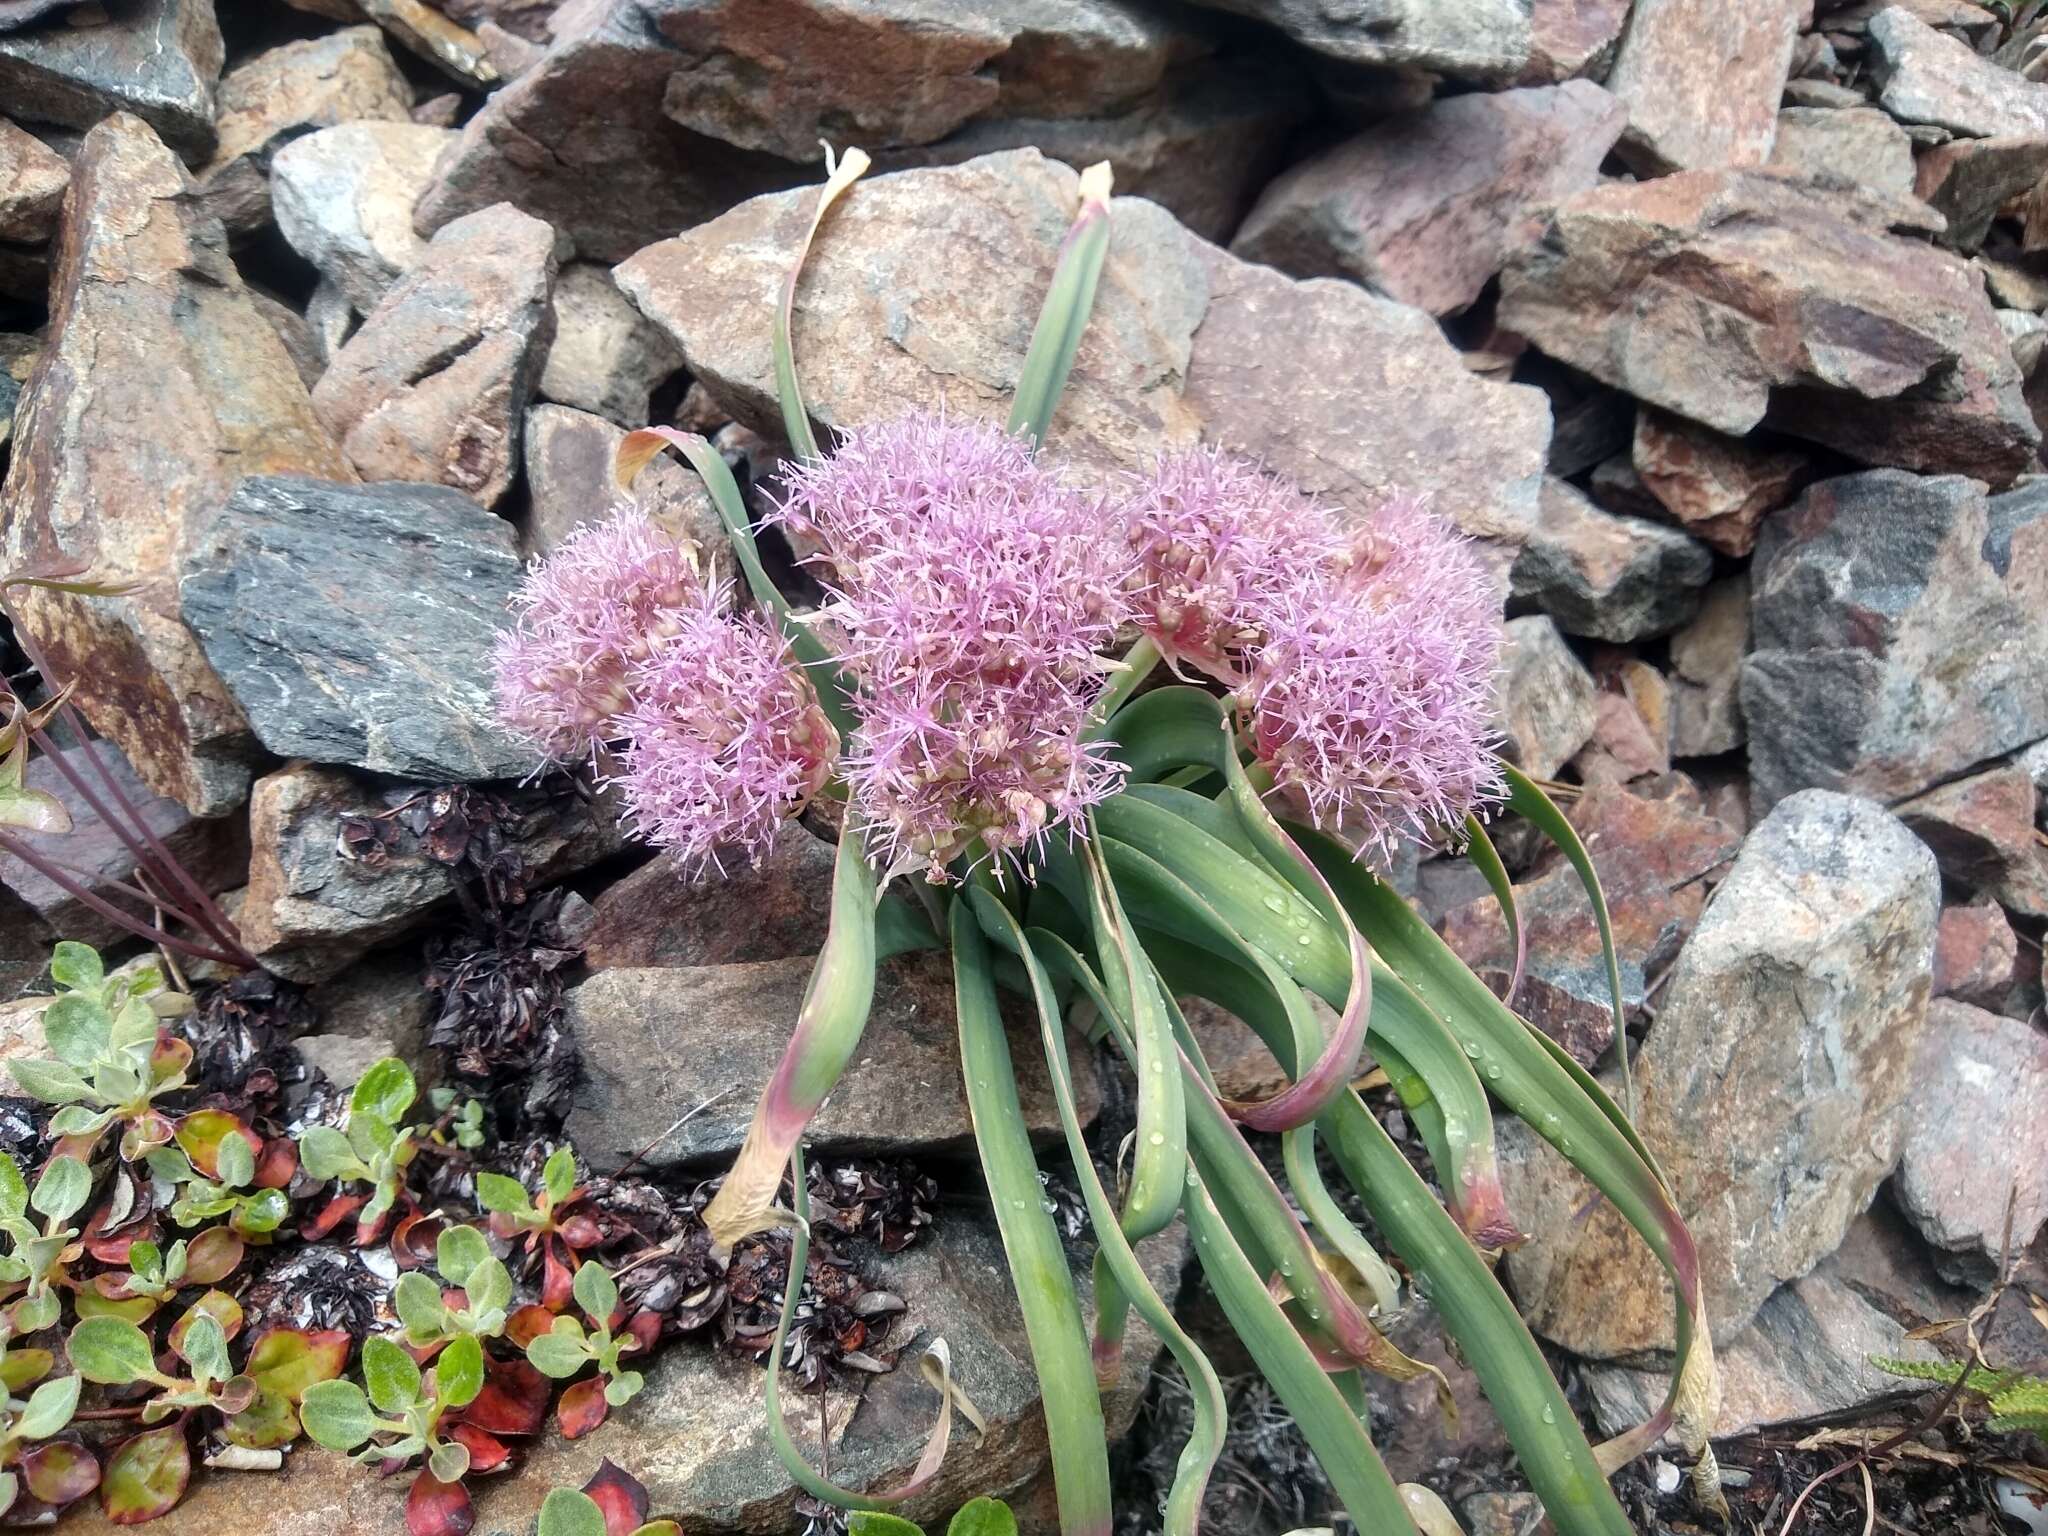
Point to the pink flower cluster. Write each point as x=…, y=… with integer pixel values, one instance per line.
x=971, y=596
x=621, y=643
x=1361, y=655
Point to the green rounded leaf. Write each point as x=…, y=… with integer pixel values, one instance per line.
x=558, y=1174
x=265, y=1424
x=449, y=1462
x=596, y=1293
x=489, y=1288
x=571, y=1512
x=559, y=1355
x=872, y=1522
x=147, y=1476
x=496, y=1193
x=236, y=1161
x=417, y=1301
x=458, y=1251
x=623, y=1388
x=459, y=1374
x=264, y=1211
x=392, y=1376
x=41, y=1310
x=204, y=1347
x=337, y=1415
x=386, y=1091
x=111, y=1351
x=49, y=1408
x=50, y=1081
x=13, y=1190
x=983, y=1517
x=78, y=1029
x=77, y=1120
x=291, y=1363
x=77, y=966
x=326, y=1154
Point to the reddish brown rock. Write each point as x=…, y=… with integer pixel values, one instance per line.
x=569, y=482
x=1631, y=733
x=1976, y=1135
x=1976, y=955
x=1654, y=852
x=1572, y=37
x=315, y=82
x=1428, y=208
x=658, y=916
x=161, y=385
x=1859, y=144
x=606, y=358
x=1706, y=673
x=1982, y=832
x=344, y=197
x=434, y=386
x=1739, y=298
x=214, y=852
x=1717, y=488
x=1485, y=40
x=1702, y=80
x=1928, y=76
x=1545, y=697
x=1970, y=180
x=1607, y=577
x=32, y=181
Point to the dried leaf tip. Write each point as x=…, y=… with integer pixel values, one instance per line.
x=843, y=170
x=1096, y=183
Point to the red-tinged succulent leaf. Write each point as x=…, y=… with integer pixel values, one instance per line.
x=144, y=1133
x=557, y=1279
x=80, y=1147
x=212, y=1256
x=171, y=1058
x=288, y=1360
x=60, y=1473
x=438, y=1509
x=332, y=1215
x=580, y=1231
x=528, y=1324
x=146, y=1475
x=201, y=1133
x=413, y=1240
x=21, y=1367
x=113, y=1285
x=621, y=1497
x=219, y=1305
x=234, y=1394
x=644, y=1329
x=133, y=1309
x=277, y=1163
x=267, y=1423
x=514, y=1400
x=370, y=1232
x=487, y=1453
x=582, y=1408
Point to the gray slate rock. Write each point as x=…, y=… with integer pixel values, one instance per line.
x=1899, y=625
x=354, y=623
x=1859, y=143
x=1976, y=1135
x=159, y=59
x=344, y=198
x=1484, y=40
x=1930, y=77
x=1706, y=668
x=1769, y=1085
x=719, y=1030
x=1608, y=577
x=1546, y=697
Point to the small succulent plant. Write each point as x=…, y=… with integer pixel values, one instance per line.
x=569, y=1345
x=549, y=1224
x=375, y=1148
x=465, y=1262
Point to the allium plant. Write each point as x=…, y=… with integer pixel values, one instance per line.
x=973, y=687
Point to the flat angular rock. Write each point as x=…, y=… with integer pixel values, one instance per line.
x=720, y=1030
x=1930, y=77
x=1546, y=710
x=657, y=916
x=32, y=181
x=1652, y=853
x=434, y=385
x=1899, y=624
x=1976, y=1135
x=1350, y=395
x=159, y=59
x=1970, y=180
x=1608, y=577
x=1467, y=39
x=315, y=82
x=1859, y=143
x=1701, y=80
x=214, y=852
x=1808, y=971
x=1739, y=298
x=1976, y=955
x=569, y=456
x=355, y=623
x=1717, y=488
x=344, y=198
x=317, y=901
x=606, y=358
x=162, y=384
x=1631, y=727
x=1706, y=667
x=1981, y=829
x=1427, y=209
x=1570, y=38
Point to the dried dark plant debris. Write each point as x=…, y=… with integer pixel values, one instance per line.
x=316, y=1287
x=840, y=1319
x=472, y=831
x=241, y=1034
x=887, y=1202
x=1266, y=1480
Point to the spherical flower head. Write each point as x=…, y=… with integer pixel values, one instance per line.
x=724, y=741
x=1217, y=540
x=602, y=602
x=970, y=593
x=1372, y=699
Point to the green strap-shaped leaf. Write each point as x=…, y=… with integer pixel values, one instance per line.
x=1486, y=859
x=1198, y=1456
x=637, y=450
x=1031, y=1243
x=1527, y=799
x=1057, y=336
x=796, y=420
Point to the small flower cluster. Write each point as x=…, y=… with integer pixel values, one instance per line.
x=621, y=643
x=971, y=595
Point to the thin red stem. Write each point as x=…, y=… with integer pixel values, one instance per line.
x=13, y=845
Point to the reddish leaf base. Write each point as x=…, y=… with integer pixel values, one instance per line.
x=146, y=1475
x=438, y=1509
x=332, y=1215
x=622, y=1498
x=60, y=1472
x=487, y=1453
x=514, y=1400
x=582, y=1408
